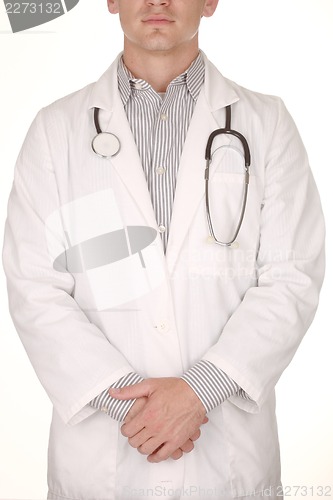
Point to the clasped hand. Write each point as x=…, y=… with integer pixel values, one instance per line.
x=165, y=419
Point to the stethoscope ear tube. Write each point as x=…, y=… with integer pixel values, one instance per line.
x=228, y=130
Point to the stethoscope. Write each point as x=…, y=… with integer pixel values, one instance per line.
x=247, y=162
x=107, y=145
x=104, y=144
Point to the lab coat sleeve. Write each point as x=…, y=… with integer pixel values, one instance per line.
x=72, y=358
x=262, y=335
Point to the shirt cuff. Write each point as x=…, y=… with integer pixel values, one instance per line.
x=115, y=408
x=211, y=384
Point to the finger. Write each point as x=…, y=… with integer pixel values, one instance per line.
x=205, y=420
x=151, y=446
x=163, y=453
x=196, y=435
x=135, y=391
x=139, y=439
x=133, y=427
x=176, y=455
x=187, y=446
x=135, y=409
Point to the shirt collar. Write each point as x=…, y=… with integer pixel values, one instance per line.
x=193, y=78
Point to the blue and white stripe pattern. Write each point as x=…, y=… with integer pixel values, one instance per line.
x=159, y=124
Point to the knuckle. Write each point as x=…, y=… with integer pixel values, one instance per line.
x=196, y=435
x=124, y=431
x=159, y=455
x=165, y=452
x=132, y=443
x=144, y=449
x=141, y=451
x=190, y=447
x=177, y=455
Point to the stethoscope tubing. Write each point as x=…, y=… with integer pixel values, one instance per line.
x=96, y=121
x=114, y=145
x=247, y=162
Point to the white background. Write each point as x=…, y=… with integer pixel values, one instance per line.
x=280, y=47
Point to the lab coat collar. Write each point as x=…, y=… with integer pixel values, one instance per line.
x=103, y=91
x=219, y=91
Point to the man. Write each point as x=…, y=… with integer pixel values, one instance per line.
x=138, y=325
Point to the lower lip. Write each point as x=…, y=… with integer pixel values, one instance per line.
x=158, y=22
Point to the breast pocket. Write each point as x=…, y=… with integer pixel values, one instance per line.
x=228, y=200
x=226, y=203
x=228, y=155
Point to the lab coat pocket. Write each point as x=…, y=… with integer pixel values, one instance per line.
x=82, y=458
x=226, y=197
x=252, y=444
x=226, y=194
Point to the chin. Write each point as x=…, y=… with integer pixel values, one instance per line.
x=158, y=45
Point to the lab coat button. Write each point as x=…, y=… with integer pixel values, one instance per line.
x=163, y=327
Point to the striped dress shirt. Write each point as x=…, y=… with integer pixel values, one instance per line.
x=159, y=123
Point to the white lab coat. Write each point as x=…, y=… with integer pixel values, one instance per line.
x=245, y=308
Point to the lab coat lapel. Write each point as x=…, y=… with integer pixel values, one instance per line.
x=209, y=114
x=127, y=162
x=128, y=166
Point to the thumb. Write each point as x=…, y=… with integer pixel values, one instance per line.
x=135, y=391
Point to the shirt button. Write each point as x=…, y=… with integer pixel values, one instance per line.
x=138, y=86
x=104, y=409
x=161, y=228
x=160, y=170
x=163, y=117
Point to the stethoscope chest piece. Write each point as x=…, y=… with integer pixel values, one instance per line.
x=105, y=144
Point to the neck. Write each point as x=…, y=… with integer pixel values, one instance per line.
x=158, y=68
